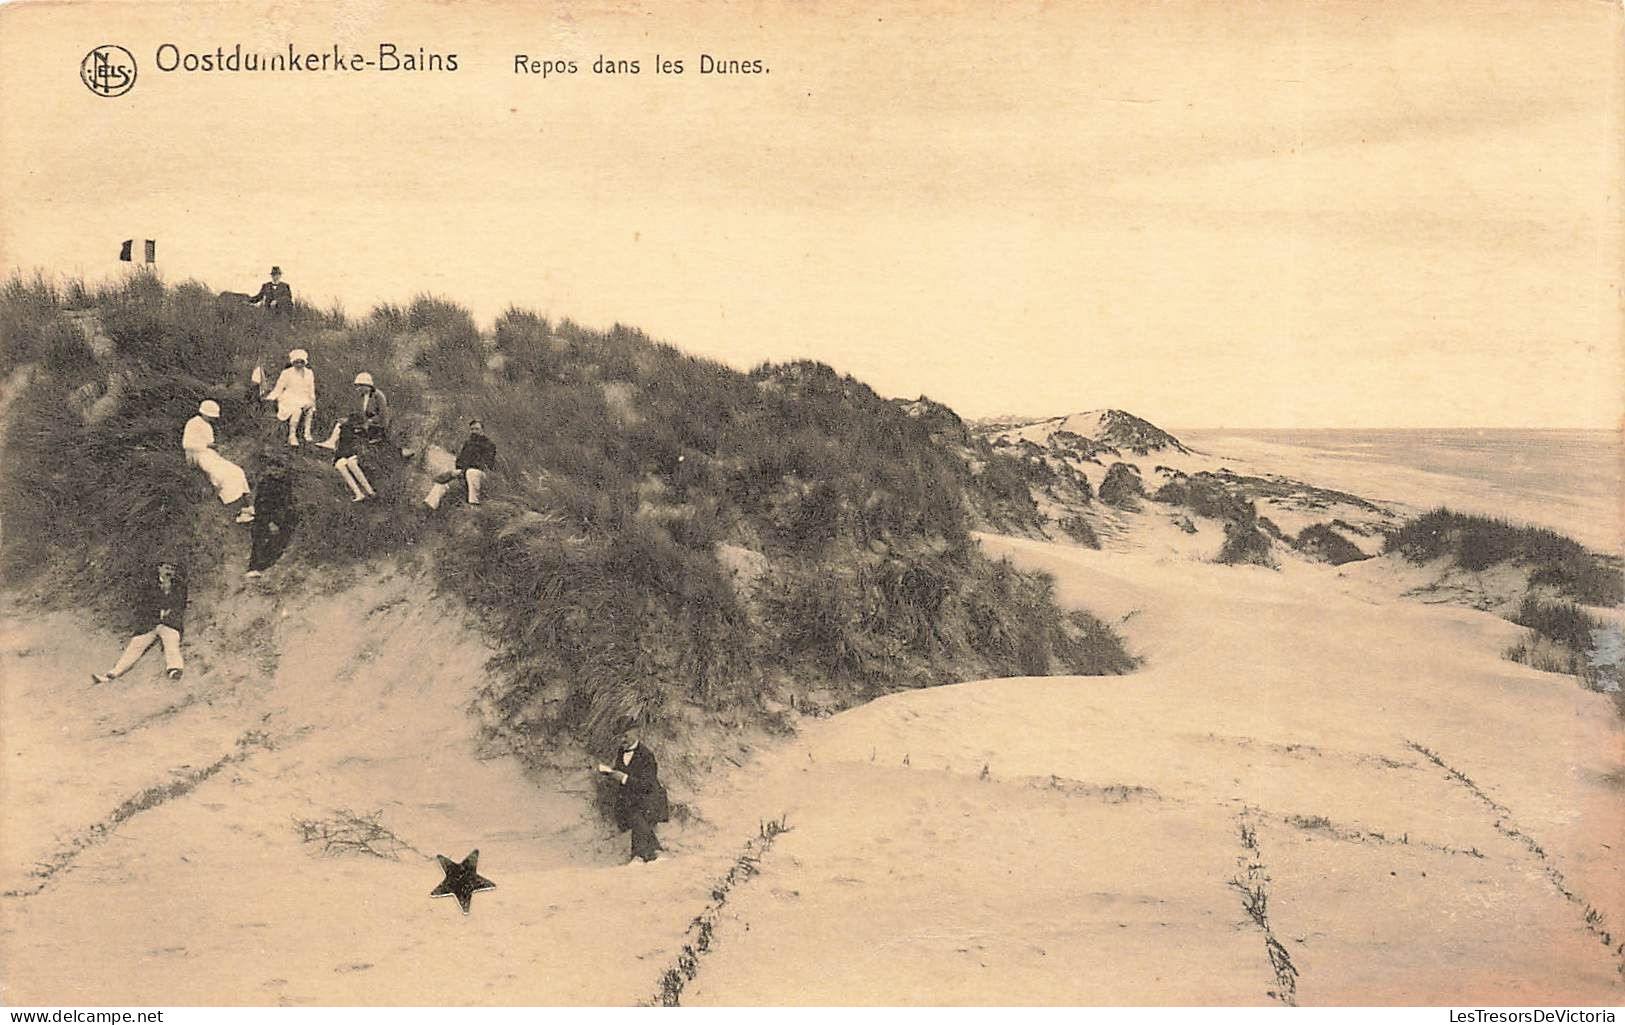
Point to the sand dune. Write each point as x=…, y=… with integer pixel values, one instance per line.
x=1096, y=863
x=1414, y=819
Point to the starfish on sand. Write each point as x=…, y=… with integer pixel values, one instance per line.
x=462, y=881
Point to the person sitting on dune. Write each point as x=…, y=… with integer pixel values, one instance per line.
x=160, y=613
x=275, y=294
x=295, y=395
x=275, y=516
x=474, y=461
x=347, y=457
x=197, y=441
x=373, y=405
x=640, y=800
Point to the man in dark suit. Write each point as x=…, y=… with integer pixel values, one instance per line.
x=275, y=294
x=640, y=800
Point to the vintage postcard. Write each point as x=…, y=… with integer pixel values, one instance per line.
x=730, y=502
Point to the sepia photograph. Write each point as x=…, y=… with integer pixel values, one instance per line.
x=752, y=503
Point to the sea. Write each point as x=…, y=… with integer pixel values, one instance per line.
x=1569, y=480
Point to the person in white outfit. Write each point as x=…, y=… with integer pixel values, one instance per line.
x=197, y=441
x=295, y=395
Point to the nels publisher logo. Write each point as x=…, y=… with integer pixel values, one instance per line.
x=108, y=70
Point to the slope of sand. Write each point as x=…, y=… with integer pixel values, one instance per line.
x=1034, y=841
x=212, y=896
x=1095, y=862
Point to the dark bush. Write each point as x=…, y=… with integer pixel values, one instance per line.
x=450, y=351
x=1206, y=495
x=67, y=355
x=1244, y=544
x=1563, y=622
x=1121, y=486
x=1320, y=541
x=525, y=342
x=1479, y=542
x=1078, y=529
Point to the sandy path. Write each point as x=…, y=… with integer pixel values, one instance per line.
x=1102, y=859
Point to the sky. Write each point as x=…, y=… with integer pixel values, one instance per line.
x=1270, y=214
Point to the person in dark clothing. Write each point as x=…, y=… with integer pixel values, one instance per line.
x=476, y=459
x=640, y=800
x=275, y=517
x=373, y=405
x=159, y=615
x=275, y=294
x=347, y=457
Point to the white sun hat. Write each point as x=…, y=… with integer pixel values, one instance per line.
x=297, y=355
x=363, y=378
x=209, y=408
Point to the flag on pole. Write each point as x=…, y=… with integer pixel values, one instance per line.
x=151, y=250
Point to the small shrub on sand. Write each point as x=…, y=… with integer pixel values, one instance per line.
x=1206, y=495
x=1320, y=541
x=1563, y=622
x=1244, y=544
x=1563, y=638
x=1079, y=529
x=1121, y=486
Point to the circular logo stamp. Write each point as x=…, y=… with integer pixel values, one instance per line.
x=108, y=70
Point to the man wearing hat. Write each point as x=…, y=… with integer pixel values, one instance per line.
x=197, y=441
x=295, y=395
x=275, y=294
x=160, y=613
x=476, y=459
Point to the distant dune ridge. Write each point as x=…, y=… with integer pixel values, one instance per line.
x=1112, y=427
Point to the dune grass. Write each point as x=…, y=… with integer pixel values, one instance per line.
x=622, y=464
x=1479, y=542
